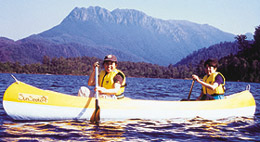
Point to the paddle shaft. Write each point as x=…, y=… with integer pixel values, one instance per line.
x=96, y=115
x=96, y=80
x=191, y=89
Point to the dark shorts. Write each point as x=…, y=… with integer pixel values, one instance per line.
x=212, y=97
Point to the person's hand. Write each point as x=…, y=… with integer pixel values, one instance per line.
x=96, y=64
x=99, y=89
x=195, y=77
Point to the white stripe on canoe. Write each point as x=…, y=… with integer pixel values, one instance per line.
x=27, y=111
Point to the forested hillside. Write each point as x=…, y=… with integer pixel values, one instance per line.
x=245, y=66
x=217, y=51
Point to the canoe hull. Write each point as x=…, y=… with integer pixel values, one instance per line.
x=26, y=111
x=25, y=102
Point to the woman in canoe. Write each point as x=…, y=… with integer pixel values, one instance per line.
x=212, y=83
x=111, y=80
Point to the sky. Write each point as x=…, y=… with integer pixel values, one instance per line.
x=22, y=18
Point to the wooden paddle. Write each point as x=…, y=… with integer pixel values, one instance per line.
x=96, y=115
x=191, y=88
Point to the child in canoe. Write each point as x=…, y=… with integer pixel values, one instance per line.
x=212, y=83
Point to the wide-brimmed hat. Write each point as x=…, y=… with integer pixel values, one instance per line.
x=111, y=58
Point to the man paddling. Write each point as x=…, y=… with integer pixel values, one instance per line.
x=111, y=80
x=213, y=82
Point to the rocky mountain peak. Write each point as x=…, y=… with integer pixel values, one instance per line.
x=117, y=16
x=87, y=14
x=129, y=16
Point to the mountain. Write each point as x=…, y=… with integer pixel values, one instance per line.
x=32, y=50
x=129, y=34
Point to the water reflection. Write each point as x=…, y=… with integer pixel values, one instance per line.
x=129, y=130
x=62, y=130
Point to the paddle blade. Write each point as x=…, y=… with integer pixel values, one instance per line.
x=95, y=118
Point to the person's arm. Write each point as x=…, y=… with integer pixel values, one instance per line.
x=118, y=80
x=113, y=91
x=91, y=80
x=212, y=87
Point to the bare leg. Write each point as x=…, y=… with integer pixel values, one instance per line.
x=84, y=92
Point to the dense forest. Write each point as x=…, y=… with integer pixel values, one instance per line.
x=242, y=66
x=217, y=51
x=83, y=66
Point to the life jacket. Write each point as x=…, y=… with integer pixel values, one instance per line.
x=210, y=80
x=106, y=80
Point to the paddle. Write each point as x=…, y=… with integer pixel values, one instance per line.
x=191, y=88
x=96, y=115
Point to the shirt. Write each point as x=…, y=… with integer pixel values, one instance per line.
x=119, y=78
x=219, y=79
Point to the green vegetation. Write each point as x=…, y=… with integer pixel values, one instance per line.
x=243, y=66
x=83, y=66
x=217, y=51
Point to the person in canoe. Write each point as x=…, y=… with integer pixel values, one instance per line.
x=212, y=83
x=111, y=81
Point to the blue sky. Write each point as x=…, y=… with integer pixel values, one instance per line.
x=22, y=18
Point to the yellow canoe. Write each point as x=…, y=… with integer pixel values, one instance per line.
x=25, y=102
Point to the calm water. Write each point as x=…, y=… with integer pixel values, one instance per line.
x=197, y=129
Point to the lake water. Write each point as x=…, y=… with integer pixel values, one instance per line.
x=197, y=129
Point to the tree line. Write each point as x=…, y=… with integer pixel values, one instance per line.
x=243, y=66
x=83, y=66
